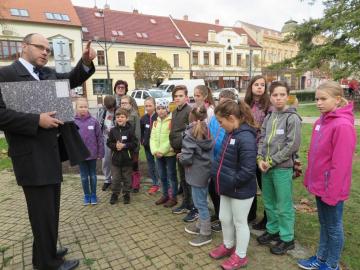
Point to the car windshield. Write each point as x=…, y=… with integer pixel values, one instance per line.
x=157, y=93
x=163, y=86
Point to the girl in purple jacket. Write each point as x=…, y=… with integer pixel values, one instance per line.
x=328, y=175
x=90, y=132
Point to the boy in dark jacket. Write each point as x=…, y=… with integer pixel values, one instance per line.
x=121, y=140
x=180, y=119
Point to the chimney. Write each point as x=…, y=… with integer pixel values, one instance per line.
x=107, y=6
x=186, y=17
x=135, y=11
x=211, y=35
x=217, y=21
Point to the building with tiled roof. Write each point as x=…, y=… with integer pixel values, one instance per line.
x=221, y=55
x=275, y=50
x=126, y=34
x=51, y=19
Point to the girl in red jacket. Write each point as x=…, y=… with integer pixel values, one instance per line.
x=328, y=175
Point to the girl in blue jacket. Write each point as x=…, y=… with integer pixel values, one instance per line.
x=235, y=174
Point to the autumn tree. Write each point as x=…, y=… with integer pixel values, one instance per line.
x=330, y=43
x=149, y=69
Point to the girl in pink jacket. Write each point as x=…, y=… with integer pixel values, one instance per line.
x=328, y=175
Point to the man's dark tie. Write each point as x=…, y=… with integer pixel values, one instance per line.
x=39, y=72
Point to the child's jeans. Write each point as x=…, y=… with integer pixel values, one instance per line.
x=235, y=228
x=151, y=166
x=167, y=171
x=331, y=232
x=199, y=196
x=88, y=176
x=121, y=179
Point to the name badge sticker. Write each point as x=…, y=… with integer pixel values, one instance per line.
x=124, y=137
x=317, y=128
x=90, y=127
x=279, y=131
x=232, y=141
x=147, y=126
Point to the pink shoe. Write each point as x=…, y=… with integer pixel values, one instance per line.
x=221, y=252
x=234, y=262
x=153, y=189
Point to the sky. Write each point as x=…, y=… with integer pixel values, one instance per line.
x=267, y=13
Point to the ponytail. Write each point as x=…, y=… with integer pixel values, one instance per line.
x=199, y=130
x=240, y=110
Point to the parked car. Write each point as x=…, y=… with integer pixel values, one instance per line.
x=216, y=93
x=141, y=94
x=169, y=85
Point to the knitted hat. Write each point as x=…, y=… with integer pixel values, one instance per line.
x=162, y=102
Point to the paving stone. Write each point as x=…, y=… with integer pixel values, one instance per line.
x=140, y=235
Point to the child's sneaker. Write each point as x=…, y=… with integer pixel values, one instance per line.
x=312, y=263
x=266, y=238
x=180, y=210
x=282, y=247
x=105, y=186
x=192, y=229
x=221, y=252
x=192, y=215
x=153, y=189
x=126, y=198
x=114, y=198
x=87, y=199
x=325, y=266
x=234, y=262
x=216, y=226
x=93, y=199
x=201, y=240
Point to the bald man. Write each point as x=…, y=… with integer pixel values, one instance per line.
x=35, y=151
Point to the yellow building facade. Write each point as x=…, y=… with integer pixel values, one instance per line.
x=121, y=59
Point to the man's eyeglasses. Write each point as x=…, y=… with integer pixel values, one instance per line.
x=41, y=47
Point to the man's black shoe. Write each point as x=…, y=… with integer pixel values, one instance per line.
x=281, y=247
x=61, y=252
x=266, y=238
x=69, y=264
x=105, y=186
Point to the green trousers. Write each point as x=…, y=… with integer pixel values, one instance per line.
x=278, y=202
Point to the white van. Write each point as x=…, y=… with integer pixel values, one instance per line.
x=169, y=85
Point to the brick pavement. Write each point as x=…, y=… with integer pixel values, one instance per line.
x=135, y=236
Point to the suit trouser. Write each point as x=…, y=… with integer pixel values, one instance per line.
x=43, y=203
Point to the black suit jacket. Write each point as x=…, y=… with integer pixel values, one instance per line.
x=34, y=151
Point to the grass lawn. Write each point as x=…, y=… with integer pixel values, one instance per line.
x=5, y=162
x=310, y=110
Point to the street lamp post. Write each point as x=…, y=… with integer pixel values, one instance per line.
x=250, y=63
x=105, y=48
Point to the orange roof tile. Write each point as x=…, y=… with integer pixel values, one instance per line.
x=198, y=32
x=36, y=10
x=134, y=28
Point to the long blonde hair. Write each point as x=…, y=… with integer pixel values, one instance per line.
x=334, y=89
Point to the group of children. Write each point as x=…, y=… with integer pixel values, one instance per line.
x=227, y=151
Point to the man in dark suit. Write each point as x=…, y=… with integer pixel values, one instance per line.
x=34, y=148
